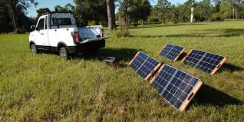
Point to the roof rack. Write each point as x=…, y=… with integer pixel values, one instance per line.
x=53, y=12
x=61, y=12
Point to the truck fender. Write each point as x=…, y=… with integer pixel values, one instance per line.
x=61, y=44
x=31, y=42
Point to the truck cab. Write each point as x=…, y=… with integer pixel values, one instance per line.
x=59, y=33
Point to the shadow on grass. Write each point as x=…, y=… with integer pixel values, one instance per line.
x=203, y=33
x=230, y=68
x=148, y=36
x=234, y=31
x=166, y=25
x=212, y=33
x=124, y=54
x=182, y=56
x=210, y=96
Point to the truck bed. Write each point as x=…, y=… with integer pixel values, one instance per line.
x=91, y=33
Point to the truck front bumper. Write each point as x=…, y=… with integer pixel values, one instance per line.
x=86, y=46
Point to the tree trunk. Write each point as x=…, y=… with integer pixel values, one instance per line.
x=228, y=14
x=111, y=14
x=236, y=14
x=14, y=22
x=233, y=12
x=192, y=12
x=12, y=12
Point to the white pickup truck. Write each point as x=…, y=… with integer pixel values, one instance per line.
x=58, y=32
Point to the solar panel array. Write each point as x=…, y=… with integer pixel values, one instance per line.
x=175, y=86
x=171, y=52
x=207, y=62
x=144, y=65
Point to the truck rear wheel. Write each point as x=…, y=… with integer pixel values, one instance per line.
x=64, y=53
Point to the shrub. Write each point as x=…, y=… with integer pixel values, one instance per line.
x=20, y=31
x=216, y=17
x=153, y=20
x=92, y=22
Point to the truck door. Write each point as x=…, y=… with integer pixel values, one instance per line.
x=42, y=32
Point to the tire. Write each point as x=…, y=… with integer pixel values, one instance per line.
x=64, y=53
x=33, y=48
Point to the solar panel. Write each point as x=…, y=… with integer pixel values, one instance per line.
x=171, y=52
x=144, y=65
x=207, y=62
x=175, y=86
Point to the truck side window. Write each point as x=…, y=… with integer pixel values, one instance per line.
x=62, y=21
x=40, y=25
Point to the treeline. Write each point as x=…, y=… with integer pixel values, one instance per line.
x=13, y=15
x=140, y=11
x=205, y=10
x=13, y=12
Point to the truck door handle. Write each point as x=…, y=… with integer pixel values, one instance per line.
x=42, y=33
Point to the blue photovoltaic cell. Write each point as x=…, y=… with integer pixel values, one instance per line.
x=174, y=85
x=171, y=51
x=205, y=61
x=141, y=57
x=144, y=64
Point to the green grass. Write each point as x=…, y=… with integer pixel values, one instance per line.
x=44, y=87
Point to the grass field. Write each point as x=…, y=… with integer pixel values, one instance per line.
x=44, y=87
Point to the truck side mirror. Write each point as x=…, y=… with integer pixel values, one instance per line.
x=32, y=28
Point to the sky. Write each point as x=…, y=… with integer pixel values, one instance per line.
x=31, y=12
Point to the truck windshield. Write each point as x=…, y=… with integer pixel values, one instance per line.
x=61, y=21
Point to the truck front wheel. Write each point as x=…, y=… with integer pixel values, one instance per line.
x=64, y=53
x=34, y=48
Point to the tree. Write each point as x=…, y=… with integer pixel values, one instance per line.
x=58, y=8
x=67, y=8
x=240, y=10
x=70, y=8
x=139, y=10
x=124, y=17
x=229, y=8
x=5, y=20
x=217, y=5
x=95, y=10
x=42, y=11
x=176, y=14
x=111, y=14
x=15, y=6
x=203, y=10
x=162, y=9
